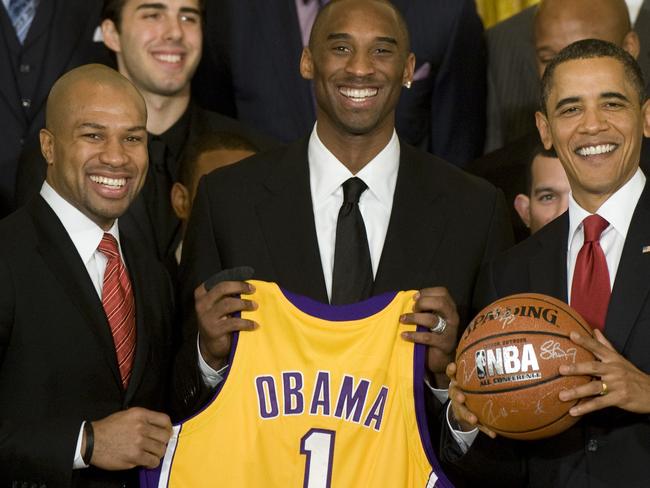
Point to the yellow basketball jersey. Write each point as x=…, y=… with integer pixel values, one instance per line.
x=318, y=396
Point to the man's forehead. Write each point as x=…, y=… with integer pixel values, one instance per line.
x=368, y=19
x=590, y=74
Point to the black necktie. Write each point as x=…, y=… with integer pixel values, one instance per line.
x=159, y=183
x=352, y=275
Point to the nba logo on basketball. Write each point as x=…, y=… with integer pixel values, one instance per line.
x=509, y=360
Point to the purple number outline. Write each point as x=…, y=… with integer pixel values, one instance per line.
x=307, y=453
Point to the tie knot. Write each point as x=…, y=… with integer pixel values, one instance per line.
x=594, y=225
x=108, y=246
x=352, y=190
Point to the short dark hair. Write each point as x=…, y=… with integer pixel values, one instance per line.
x=536, y=150
x=588, y=49
x=401, y=22
x=112, y=10
x=204, y=141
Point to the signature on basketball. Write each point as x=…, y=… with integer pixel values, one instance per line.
x=552, y=350
x=492, y=414
x=503, y=315
x=466, y=371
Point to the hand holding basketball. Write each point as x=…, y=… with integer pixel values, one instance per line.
x=508, y=363
x=628, y=388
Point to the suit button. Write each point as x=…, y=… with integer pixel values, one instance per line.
x=26, y=102
x=592, y=445
x=25, y=68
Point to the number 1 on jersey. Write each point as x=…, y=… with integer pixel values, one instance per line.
x=318, y=446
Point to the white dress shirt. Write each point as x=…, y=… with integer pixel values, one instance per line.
x=617, y=210
x=327, y=174
x=86, y=236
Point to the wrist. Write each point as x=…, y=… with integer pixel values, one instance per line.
x=211, y=360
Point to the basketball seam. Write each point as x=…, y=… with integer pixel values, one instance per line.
x=533, y=332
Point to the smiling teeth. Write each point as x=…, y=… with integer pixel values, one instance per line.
x=358, y=94
x=112, y=182
x=594, y=150
x=169, y=58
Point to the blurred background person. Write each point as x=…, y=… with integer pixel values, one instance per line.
x=548, y=190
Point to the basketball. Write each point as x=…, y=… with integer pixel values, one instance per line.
x=508, y=363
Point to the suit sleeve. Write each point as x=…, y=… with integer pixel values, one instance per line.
x=41, y=451
x=458, y=97
x=500, y=238
x=200, y=260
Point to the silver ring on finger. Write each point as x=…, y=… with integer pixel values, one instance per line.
x=440, y=327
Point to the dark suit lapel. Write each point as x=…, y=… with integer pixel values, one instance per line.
x=62, y=258
x=287, y=221
x=284, y=33
x=134, y=263
x=632, y=282
x=411, y=240
x=547, y=269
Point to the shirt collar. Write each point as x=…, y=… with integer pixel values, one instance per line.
x=84, y=233
x=617, y=209
x=327, y=173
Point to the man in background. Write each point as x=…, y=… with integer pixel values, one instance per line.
x=206, y=153
x=548, y=191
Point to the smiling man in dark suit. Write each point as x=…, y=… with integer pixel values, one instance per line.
x=427, y=225
x=84, y=310
x=594, y=113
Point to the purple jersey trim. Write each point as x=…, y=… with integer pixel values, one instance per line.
x=419, y=357
x=340, y=313
x=149, y=478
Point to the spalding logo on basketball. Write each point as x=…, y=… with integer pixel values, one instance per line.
x=508, y=360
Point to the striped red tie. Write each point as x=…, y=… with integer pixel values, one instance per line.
x=117, y=299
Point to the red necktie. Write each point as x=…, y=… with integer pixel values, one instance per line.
x=590, y=289
x=117, y=299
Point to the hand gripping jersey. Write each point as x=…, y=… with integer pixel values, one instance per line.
x=318, y=396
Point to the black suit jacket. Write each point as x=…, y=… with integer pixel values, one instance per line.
x=444, y=224
x=57, y=358
x=250, y=70
x=60, y=38
x=604, y=449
